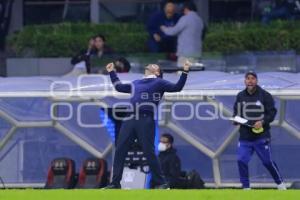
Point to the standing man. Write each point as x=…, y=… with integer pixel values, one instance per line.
x=159, y=41
x=257, y=106
x=189, y=31
x=140, y=124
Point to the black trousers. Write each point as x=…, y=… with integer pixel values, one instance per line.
x=143, y=129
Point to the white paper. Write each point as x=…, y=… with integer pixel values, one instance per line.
x=239, y=120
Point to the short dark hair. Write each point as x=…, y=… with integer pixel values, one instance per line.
x=169, y=136
x=168, y=1
x=100, y=36
x=190, y=5
x=125, y=62
x=164, y=3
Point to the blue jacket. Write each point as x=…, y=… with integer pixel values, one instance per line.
x=158, y=19
x=147, y=91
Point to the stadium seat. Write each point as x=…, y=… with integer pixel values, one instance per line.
x=61, y=174
x=93, y=174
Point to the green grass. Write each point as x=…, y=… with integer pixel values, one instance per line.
x=28, y=194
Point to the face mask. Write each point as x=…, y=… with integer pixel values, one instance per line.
x=162, y=147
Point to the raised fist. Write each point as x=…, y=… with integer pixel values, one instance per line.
x=187, y=65
x=110, y=67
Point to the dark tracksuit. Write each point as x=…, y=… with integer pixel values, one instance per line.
x=171, y=168
x=168, y=43
x=255, y=107
x=144, y=91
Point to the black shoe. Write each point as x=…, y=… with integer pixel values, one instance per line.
x=112, y=186
x=164, y=186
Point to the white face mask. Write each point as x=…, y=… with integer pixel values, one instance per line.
x=162, y=147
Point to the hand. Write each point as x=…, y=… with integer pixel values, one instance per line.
x=258, y=125
x=162, y=28
x=235, y=123
x=110, y=67
x=187, y=65
x=91, y=44
x=157, y=37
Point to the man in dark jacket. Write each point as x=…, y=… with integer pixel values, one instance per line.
x=158, y=41
x=170, y=162
x=171, y=167
x=257, y=106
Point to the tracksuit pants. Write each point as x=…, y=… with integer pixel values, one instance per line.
x=263, y=150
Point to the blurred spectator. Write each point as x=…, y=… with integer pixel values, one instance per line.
x=122, y=65
x=158, y=41
x=189, y=30
x=96, y=49
x=171, y=166
x=279, y=9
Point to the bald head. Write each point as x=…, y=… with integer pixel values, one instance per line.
x=152, y=69
x=170, y=9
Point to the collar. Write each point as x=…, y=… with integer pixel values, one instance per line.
x=150, y=76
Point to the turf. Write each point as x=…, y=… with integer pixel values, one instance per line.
x=28, y=194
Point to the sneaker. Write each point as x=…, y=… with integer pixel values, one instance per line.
x=164, y=186
x=112, y=186
x=247, y=188
x=281, y=186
